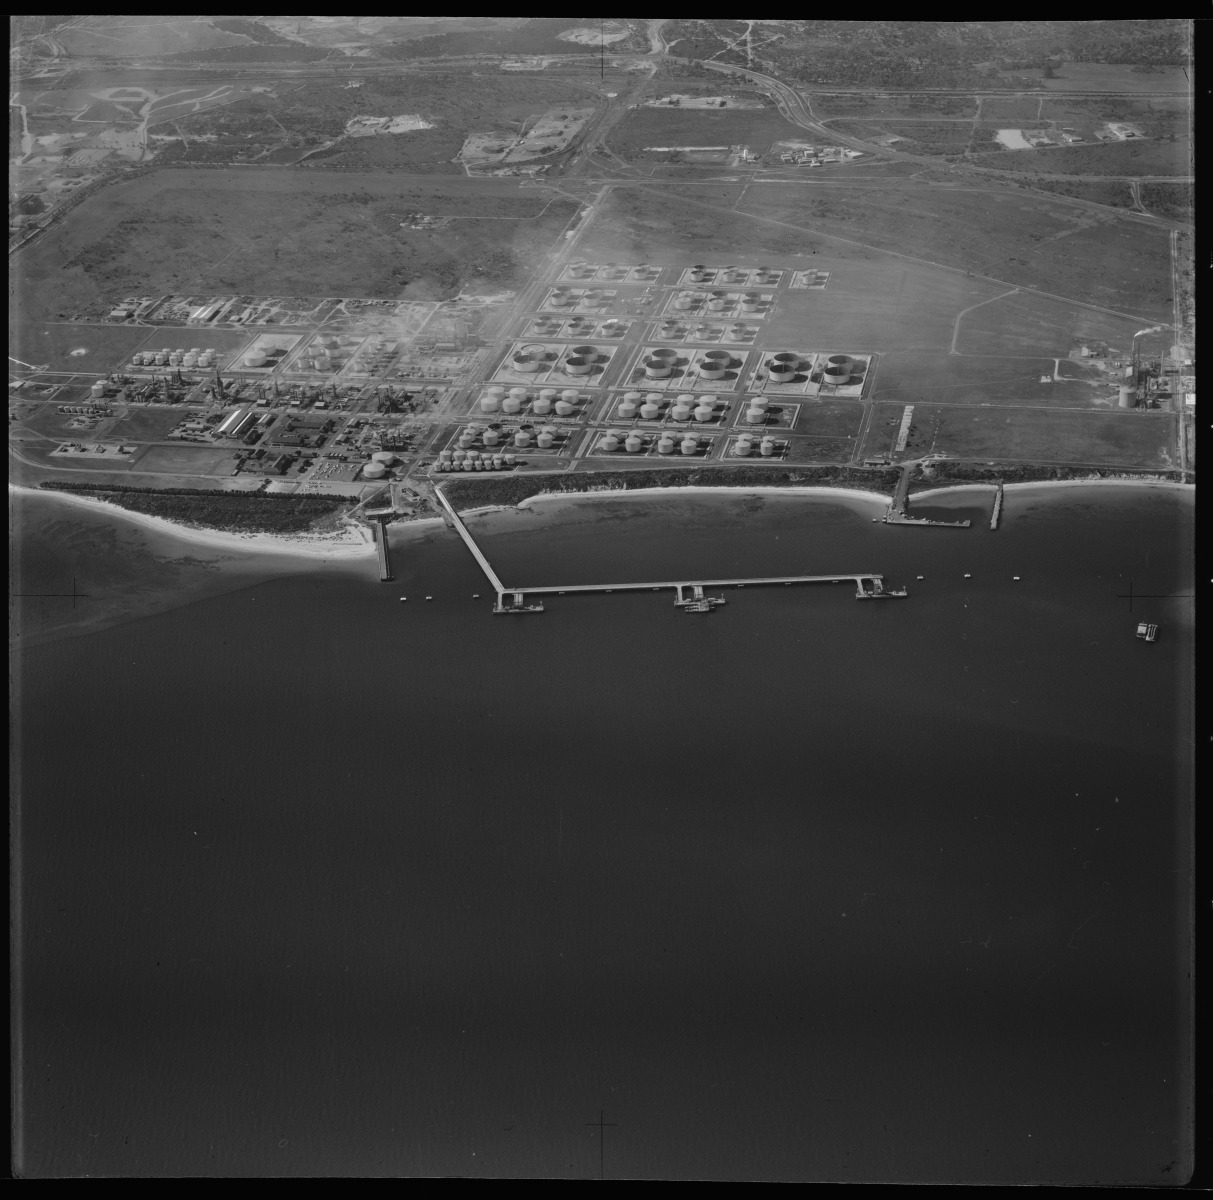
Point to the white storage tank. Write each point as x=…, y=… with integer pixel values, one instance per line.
x=743, y=446
x=684, y=300
x=459, y=455
x=491, y=437
x=609, y=443
x=766, y=447
x=665, y=444
x=627, y=406
x=522, y=438
x=543, y=403
x=750, y=301
x=717, y=301
x=565, y=409
x=510, y=459
x=649, y=411
x=690, y=445
x=544, y=441
x=489, y=403
x=704, y=411
x=511, y=404
x=681, y=411
x=634, y=443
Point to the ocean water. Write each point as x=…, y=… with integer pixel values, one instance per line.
x=314, y=882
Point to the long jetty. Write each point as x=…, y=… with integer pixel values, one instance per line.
x=385, y=561
x=896, y=513
x=997, y=507
x=868, y=585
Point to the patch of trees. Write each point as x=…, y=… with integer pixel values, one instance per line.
x=291, y=52
x=254, y=29
x=1174, y=200
x=237, y=512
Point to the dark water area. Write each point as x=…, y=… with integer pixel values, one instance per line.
x=314, y=882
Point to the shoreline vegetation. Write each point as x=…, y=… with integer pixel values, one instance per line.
x=313, y=525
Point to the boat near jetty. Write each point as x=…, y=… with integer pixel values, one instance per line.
x=1147, y=632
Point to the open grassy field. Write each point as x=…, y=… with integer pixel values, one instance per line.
x=537, y=35
x=1145, y=157
x=187, y=460
x=819, y=449
x=1119, y=77
x=1024, y=323
x=146, y=424
x=290, y=233
x=928, y=136
x=1007, y=234
x=132, y=37
x=829, y=419
x=1120, y=439
x=757, y=128
x=90, y=348
x=831, y=105
x=914, y=378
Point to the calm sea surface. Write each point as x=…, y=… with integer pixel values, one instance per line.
x=314, y=882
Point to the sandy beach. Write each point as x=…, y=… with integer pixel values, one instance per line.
x=354, y=542
x=853, y=493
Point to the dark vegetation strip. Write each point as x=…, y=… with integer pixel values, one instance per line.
x=236, y=512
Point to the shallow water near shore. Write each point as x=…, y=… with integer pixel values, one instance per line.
x=316, y=882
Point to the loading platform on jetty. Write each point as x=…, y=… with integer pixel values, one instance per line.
x=868, y=585
x=896, y=513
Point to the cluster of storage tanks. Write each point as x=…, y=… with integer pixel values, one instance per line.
x=733, y=274
x=718, y=301
x=544, y=438
x=634, y=442
x=543, y=403
x=737, y=332
x=374, y=356
x=186, y=359
x=326, y=353
x=565, y=297
x=379, y=465
x=713, y=364
x=647, y=406
x=473, y=460
x=744, y=446
x=580, y=360
x=583, y=270
x=782, y=368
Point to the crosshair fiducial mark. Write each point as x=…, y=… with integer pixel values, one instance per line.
x=602, y=1126
x=74, y=595
x=1131, y=595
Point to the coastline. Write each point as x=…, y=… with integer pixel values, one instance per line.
x=354, y=542
x=814, y=489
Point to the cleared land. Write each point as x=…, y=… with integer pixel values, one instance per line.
x=1134, y=439
x=1009, y=235
x=756, y=128
x=1137, y=157
x=290, y=233
x=911, y=378
x=88, y=348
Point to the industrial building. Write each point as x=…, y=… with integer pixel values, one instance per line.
x=236, y=424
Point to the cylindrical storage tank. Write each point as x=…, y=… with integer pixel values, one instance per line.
x=469, y=464
x=592, y=298
x=511, y=404
x=442, y=466
x=698, y=271
x=609, y=443
x=704, y=411
x=665, y=353
x=190, y=360
x=491, y=437
x=489, y=403
x=477, y=464
x=589, y=353
x=386, y=457
x=522, y=438
x=743, y=446
x=717, y=301
x=570, y=396
x=548, y=394
x=526, y=363
x=683, y=300
x=458, y=455
x=766, y=274
x=681, y=411
x=519, y=394
x=634, y=443
x=731, y=274
x=627, y=409
x=657, y=368
x=544, y=441
x=766, y=447
x=374, y=470
x=689, y=445
x=665, y=444
x=649, y=411
x=750, y=301
x=98, y=388
x=497, y=390
x=1128, y=396
x=250, y=360
x=498, y=462
x=162, y=359
x=565, y=409
x=755, y=415
x=576, y=365
x=510, y=459
x=543, y=403
x=445, y=455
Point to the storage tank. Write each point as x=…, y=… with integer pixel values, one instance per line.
x=750, y=301
x=522, y=438
x=459, y=455
x=561, y=296
x=838, y=368
x=576, y=365
x=766, y=447
x=593, y=298
x=756, y=415
x=634, y=443
x=665, y=444
x=491, y=437
x=256, y=359
x=649, y=411
x=510, y=459
x=628, y=406
x=98, y=388
x=386, y=457
x=526, y=363
x=374, y=470
x=1128, y=396
x=731, y=274
x=589, y=353
x=544, y=441
x=767, y=275
x=714, y=364
x=681, y=411
x=498, y=462
x=511, y=404
x=612, y=271
x=190, y=360
x=489, y=403
x=783, y=367
x=705, y=411
x=497, y=391
x=444, y=455
x=698, y=272
x=469, y=464
x=657, y=368
x=609, y=443
x=743, y=446
x=570, y=396
x=543, y=403
x=162, y=359
x=690, y=445
x=717, y=301
x=565, y=409
x=684, y=300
